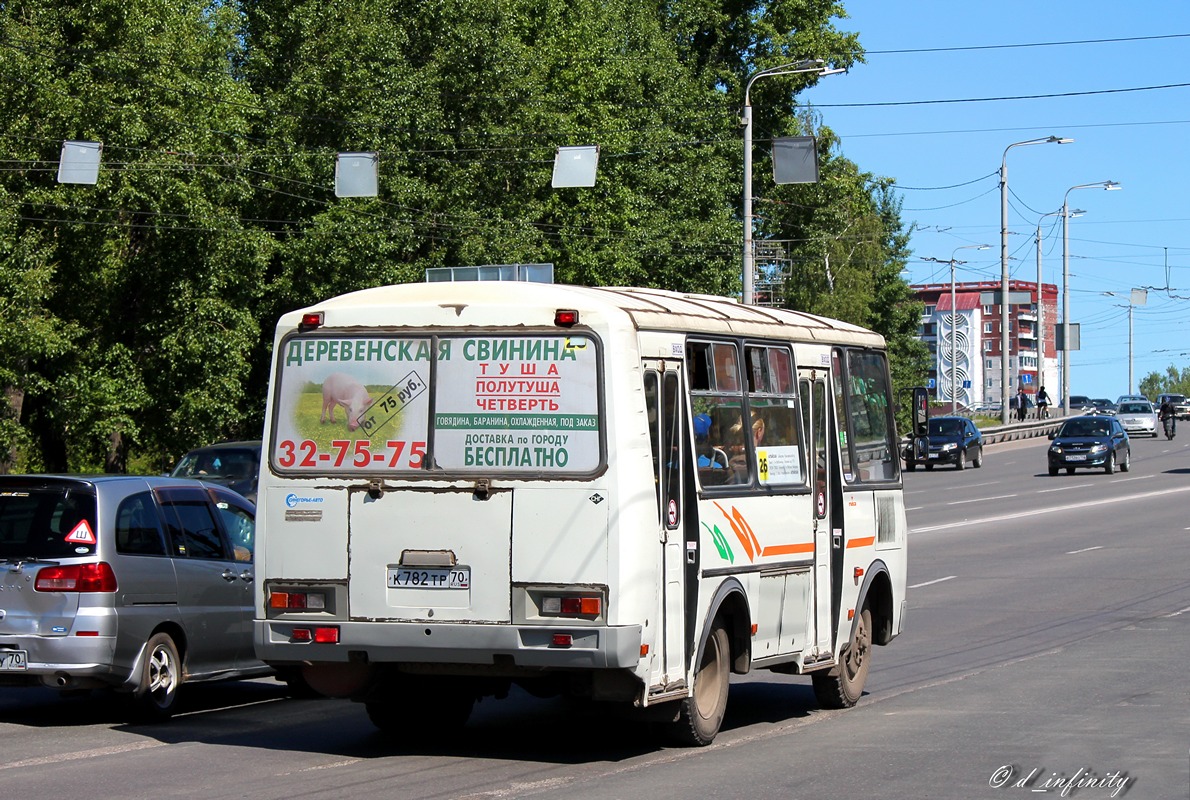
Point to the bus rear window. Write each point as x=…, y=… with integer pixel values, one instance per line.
x=499, y=404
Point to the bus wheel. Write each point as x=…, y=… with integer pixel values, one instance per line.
x=422, y=709
x=701, y=714
x=843, y=685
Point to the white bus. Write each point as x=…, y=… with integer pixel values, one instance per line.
x=621, y=494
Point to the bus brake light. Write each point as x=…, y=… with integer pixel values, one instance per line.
x=565, y=318
x=327, y=635
x=310, y=321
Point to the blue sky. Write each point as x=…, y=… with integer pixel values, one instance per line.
x=1090, y=51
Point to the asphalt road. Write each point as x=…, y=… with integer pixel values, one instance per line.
x=1045, y=653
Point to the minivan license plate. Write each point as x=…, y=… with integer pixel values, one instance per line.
x=13, y=661
x=429, y=578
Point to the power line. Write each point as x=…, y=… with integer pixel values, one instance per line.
x=971, y=48
x=1005, y=97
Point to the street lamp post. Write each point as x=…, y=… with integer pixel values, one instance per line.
x=954, y=316
x=1109, y=186
x=1137, y=297
x=1041, y=300
x=1004, y=266
x=795, y=68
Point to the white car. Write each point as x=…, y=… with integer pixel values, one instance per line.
x=1138, y=417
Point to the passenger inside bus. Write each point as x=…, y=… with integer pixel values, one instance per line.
x=739, y=458
x=708, y=456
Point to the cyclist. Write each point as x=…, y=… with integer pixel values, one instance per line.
x=1043, y=402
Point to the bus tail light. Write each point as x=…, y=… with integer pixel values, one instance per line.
x=297, y=601
x=90, y=577
x=572, y=605
x=565, y=318
x=327, y=635
x=310, y=321
x=561, y=640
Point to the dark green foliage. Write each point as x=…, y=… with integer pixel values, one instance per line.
x=136, y=315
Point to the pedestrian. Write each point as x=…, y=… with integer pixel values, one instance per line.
x=1043, y=402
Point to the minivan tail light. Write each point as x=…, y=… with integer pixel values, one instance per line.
x=90, y=577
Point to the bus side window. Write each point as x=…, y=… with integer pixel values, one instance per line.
x=720, y=431
x=671, y=429
x=653, y=409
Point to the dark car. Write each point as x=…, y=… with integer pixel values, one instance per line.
x=1102, y=405
x=1090, y=441
x=235, y=465
x=953, y=440
x=1079, y=402
x=137, y=584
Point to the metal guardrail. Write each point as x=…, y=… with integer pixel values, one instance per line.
x=1028, y=429
x=1013, y=431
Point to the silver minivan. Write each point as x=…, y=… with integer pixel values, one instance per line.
x=138, y=584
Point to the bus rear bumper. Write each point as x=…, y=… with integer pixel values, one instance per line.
x=492, y=645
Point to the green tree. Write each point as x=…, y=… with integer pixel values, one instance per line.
x=154, y=269
x=1172, y=382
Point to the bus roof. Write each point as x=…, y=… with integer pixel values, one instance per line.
x=446, y=303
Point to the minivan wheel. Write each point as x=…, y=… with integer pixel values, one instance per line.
x=161, y=675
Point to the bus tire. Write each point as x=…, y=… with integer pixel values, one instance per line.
x=701, y=713
x=439, y=707
x=842, y=686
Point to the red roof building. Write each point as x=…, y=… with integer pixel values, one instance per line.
x=972, y=333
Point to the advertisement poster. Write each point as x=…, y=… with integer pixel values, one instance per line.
x=351, y=404
x=506, y=404
x=519, y=404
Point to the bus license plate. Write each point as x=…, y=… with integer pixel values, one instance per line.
x=429, y=578
x=13, y=660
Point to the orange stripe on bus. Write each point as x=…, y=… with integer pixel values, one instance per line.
x=866, y=542
x=788, y=549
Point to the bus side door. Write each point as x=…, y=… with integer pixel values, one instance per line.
x=813, y=387
x=665, y=401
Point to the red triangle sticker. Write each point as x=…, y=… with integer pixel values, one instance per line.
x=82, y=534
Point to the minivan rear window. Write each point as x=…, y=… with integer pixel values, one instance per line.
x=46, y=523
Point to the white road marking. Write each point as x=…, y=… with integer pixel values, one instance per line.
x=1050, y=510
x=929, y=583
x=1064, y=488
x=1084, y=550
x=81, y=754
x=229, y=707
x=980, y=499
